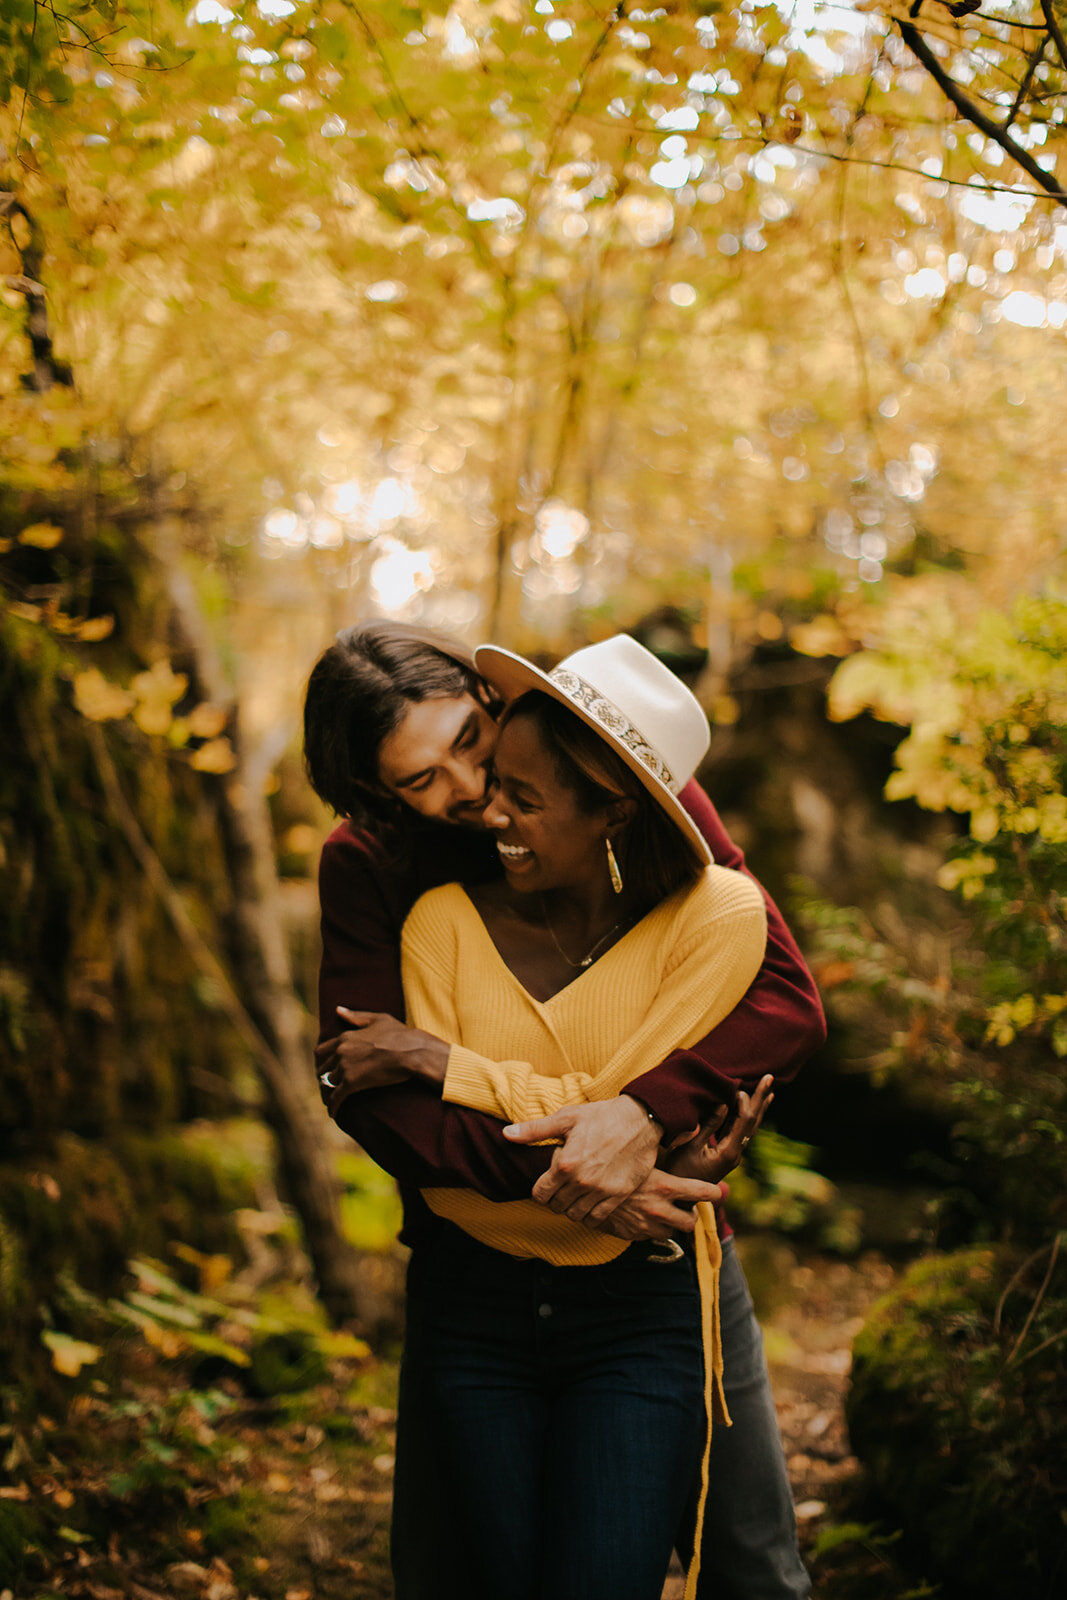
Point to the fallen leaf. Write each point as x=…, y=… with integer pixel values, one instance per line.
x=45, y=1182
x=278, y=1483
x=188, y=1575
x=808, y=1510
x=63, y=1499
x=14, y=1491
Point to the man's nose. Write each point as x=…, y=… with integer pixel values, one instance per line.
x=468, y=783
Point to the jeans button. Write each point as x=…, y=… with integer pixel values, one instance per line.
x=544, y=1310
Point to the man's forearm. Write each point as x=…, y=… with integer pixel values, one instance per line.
x=413, y=1135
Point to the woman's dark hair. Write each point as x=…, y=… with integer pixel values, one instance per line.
x=654, y=855
x=359, y=691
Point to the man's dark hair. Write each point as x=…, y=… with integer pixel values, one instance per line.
x=359, y=691
x=654, y=855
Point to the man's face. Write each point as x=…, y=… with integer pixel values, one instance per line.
x=439, y=759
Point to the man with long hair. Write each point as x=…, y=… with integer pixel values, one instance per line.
x=399, y=739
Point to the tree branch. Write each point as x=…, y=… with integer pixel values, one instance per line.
x=1055, y=28
x=971, y=113
x=1027, y=79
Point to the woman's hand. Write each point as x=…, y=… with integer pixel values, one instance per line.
x=710, y=1157
x=374, y=1051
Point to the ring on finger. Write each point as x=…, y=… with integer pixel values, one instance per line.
x=326, y=1081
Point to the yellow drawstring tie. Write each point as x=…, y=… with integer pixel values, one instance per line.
x=709, y=1261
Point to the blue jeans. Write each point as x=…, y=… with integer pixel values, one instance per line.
x=749, y=1549
x=566, y=1405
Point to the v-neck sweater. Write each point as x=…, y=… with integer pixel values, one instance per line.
x=668, y=981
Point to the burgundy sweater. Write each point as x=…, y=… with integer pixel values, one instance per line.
x=366, y=889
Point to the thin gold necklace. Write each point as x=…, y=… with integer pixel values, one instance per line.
x=587, y=959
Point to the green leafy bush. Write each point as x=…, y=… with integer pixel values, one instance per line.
x=960, y=1377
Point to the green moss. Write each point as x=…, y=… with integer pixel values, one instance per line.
x=954, y=1408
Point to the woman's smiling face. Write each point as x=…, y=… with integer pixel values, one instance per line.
x=544, y=838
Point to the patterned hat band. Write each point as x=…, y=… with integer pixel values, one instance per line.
x=613, y=721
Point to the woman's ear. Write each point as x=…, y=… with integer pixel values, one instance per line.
x=620, y=813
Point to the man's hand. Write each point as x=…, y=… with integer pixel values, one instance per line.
x=376, y=1050
x=609, y=1148
x=661, y=1207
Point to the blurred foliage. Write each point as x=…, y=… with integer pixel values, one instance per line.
x=983, y=693
x=956, y=1408
x=778, y=1188
x=959, y=1376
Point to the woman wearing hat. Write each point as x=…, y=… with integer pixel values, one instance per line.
x=573, y=1377
x=400, y=732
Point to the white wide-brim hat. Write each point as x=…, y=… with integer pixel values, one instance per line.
x=633, y=701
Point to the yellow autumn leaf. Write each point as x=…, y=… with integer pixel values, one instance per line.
x=98, y=699
x=94, y=629
x=167, y=1341
x=206, y=721
x=41, y=535
x=339, y=1345
x=985, y=824
x=69, y=1355
x=215, y=756
x=153, y=716
x=24, y=612
x=160, y=683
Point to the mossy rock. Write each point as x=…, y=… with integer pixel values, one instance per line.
x=961, y=1433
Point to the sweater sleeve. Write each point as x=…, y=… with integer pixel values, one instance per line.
x=711, y=968
x=774, y=1028
x=406, y=1129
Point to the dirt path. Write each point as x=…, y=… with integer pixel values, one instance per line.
x=151, y=1491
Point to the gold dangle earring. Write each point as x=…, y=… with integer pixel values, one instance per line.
x=613, y=869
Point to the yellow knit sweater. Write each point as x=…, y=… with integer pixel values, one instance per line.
x=663, y=986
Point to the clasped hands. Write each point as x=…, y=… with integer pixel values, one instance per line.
x=610, y=1172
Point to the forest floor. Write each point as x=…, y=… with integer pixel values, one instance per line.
x=150, y=1490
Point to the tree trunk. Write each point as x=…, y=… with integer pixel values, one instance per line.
x=260, y=967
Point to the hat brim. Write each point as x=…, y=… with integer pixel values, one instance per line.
x=512, y=675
